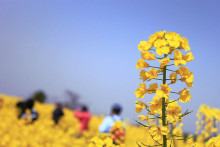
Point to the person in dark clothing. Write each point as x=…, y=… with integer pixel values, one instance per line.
x=57, y=113
x=22, y=108
x=25, y=105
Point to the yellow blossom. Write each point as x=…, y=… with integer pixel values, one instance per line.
x=184, y=44
x=158, y=132
x=173, y=39
x=148, y=75
x=188, y=57
x=156, y=105
x=141, y=64
x=164, y=91
x=152, y=74
x=152, y=38
x=140, y=106
x=173, y=77
x=160, y=34
x=160, y=43
x=186, y=76
x=173, y=112
x=214, y=142
x=143, y=75
x=178, y=130
x=160, y=69
x=178, y=58
x=164, y=61
x=189, y=79
x=144, y=46
x=144, y=118
x=152, y=88
x=185, y=96
x=162, y=50
x=140, y=92
x=174, y=43
x=147, y=55
x=183, y=71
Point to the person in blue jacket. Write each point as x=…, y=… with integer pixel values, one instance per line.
x=110, y=120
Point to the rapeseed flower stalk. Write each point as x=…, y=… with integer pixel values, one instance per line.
x=166, y=48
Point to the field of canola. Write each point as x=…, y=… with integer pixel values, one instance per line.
x=43, y=132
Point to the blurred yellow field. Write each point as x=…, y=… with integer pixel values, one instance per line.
x=43, y=132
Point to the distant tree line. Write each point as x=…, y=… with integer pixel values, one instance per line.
x=71, y=103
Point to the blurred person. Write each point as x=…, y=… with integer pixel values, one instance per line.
x=108, y=121
x=27, y=105
x=57, y=113
x=33, y=115
x=23, y=106
x=84, y=116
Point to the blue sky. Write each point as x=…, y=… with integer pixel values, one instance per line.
x=90, y=47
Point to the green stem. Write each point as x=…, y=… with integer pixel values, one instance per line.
x=164, y=107
x=172, y=128
x=171, y=65
x=174, y=92
x=168, y=79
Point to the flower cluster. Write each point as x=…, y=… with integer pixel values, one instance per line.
x=162, y=107
x=115, y=138
x=208, y=120
x=118, y=133
x=214, y=142
x=102, y=140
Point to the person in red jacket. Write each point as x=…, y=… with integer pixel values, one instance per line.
x=83, y=116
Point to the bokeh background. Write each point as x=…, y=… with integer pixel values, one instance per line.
x=90, y=48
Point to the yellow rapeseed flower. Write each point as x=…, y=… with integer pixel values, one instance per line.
x=152, y=74
x=178, y=58
x=140, y=92
x=163, y=50
x=140, y=106
x=141, y=64
x=160, y=34
x=155, y=105
x=158, y=132
x=152, y=88
x=143, y=75
x=144, y=118
x=160, y=43
x=173, y=112
x=188, y=57
x=147, y=55
x=164, y=91
x=184, y=44
x=186, y=76
x=173, y=77
x=189, y=79
x=164, y=61
x=144, y=46
x=185, y=96
x=148, y=75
